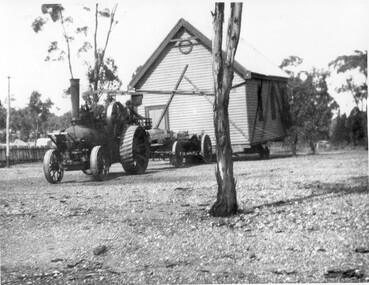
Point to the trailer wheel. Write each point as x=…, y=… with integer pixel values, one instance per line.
x=52, y=166
x=134, y=150
x=264, y=152
x=176, y=157
x=115, y=116
x=99, y=163
x=206, y=149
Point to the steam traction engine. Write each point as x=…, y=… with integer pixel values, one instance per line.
x=92, y=145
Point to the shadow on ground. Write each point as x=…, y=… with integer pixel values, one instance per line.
x=324, y=191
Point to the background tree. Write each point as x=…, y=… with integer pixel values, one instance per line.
x=2, y=117
x=55, y=13
x=103, y=71
x=357, y=126
x=311, y=106
x=20, y=124
x=2, y=124
x=340, y=131
x=40, y=110
x=226, y=203
x=347, y=64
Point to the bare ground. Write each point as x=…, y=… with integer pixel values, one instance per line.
x=303, y=219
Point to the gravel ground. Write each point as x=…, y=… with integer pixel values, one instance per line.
x=303, y=219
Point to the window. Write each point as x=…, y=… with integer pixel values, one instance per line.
x=155, y=112
x=272, y=102
x=260, y=103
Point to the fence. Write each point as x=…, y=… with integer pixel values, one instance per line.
x=22, y=154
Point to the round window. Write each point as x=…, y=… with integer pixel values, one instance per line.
x=185, y=46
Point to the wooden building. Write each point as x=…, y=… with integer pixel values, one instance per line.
x=256, y=106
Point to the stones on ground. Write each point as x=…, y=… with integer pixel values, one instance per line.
x=182, y=189
x=361, y=249
x=100, y=249
x=344, y=273
x=72, y=265
x=284, y=272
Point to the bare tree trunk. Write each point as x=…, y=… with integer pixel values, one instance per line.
x=99, y=57
x=66, y=37
x=226, y=203
x=96, y=55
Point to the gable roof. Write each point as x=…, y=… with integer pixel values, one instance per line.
x=247, y=60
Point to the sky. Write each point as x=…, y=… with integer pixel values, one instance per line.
x=316, y=30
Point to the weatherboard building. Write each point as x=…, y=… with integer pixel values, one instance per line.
x=183, y=62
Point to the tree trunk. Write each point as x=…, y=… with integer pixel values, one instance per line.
x=95, y=97
x=36, y=129
x=226, y=203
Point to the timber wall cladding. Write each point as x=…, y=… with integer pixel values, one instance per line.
x=192, y=113
x=268, y=128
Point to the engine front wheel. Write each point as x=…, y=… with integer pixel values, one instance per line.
x=99, y=163
x=53, y=169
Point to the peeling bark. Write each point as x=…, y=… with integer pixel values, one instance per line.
x=226, y=203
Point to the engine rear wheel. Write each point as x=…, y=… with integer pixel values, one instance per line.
x=176, y=158
x=134, y=150
x=99, y=163
x=206, y=149
x=53, y=169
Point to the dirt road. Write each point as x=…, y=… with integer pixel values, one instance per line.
x=303, y=219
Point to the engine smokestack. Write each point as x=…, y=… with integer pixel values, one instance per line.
x=74, y=95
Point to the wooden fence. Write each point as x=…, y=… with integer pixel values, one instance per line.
x=22, y=154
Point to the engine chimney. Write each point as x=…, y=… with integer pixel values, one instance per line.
x=74, y=95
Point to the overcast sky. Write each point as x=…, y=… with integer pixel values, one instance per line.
x=316, y=30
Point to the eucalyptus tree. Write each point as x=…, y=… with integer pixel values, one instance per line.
x=223, y=72
x=103, y=69
x=311, y=107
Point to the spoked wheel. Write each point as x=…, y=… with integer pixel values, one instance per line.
x=206, y=149
x=176, y=158
x=134, y=150
x=99, y=163
x=52, y=166
x=115, y=116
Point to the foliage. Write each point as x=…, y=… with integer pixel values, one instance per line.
x=108, y=76
x=311, y=106
x=32, y=119
x=288, y=64
x=22, y=122
x=102, y=73
x=55, y=12
x=41, y=109
x=2, y=117
x=358, y=128
x=346, y=64
x=340, y=131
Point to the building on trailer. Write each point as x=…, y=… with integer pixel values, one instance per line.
x=257, y=106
